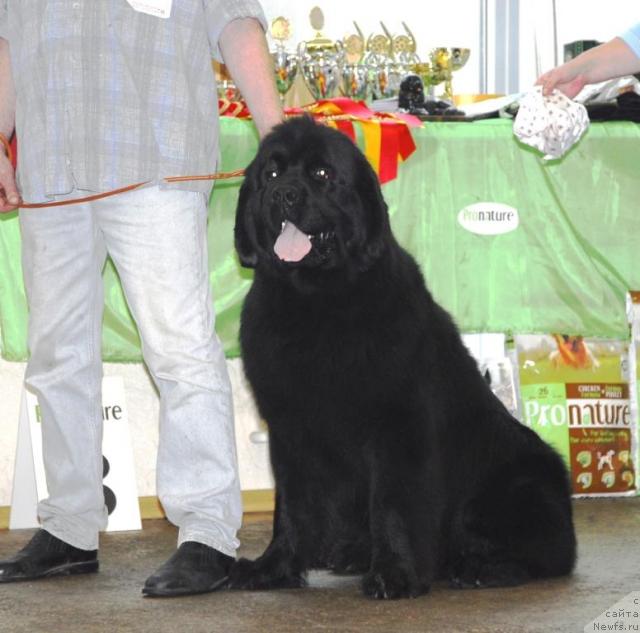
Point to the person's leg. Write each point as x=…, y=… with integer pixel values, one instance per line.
x=158, y=242
x=62, y=257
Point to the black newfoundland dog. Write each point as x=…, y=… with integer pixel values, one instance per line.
x=392, y=457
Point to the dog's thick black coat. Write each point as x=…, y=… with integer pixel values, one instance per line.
x=392, y=457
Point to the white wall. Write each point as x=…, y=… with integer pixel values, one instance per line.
x=576, y=20
x=594, y=20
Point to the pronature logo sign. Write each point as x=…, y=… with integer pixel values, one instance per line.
x=489, y=218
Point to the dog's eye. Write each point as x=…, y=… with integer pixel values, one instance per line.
x=321, y=173
x=272, y=173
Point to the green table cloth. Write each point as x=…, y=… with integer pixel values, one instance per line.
x=565, y=268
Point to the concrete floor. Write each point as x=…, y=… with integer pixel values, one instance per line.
x=608, y=569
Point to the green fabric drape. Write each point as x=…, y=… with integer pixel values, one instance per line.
x=566, y=268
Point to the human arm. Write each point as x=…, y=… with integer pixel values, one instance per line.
x=607, y=61
x=9, y=197
x=245, y=52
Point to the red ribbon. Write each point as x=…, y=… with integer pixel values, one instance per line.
x=386, y=142
x=236, y=109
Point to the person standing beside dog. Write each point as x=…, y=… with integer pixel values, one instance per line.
x=616, y=58
x=104, y=95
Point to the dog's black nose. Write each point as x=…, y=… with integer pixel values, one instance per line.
x=286, y=195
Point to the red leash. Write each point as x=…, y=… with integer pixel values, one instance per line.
x=58, y=203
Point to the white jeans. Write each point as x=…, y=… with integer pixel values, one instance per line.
x=157, y=240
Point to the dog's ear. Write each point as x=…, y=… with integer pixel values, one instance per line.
x=376, y=220
x=244, y=230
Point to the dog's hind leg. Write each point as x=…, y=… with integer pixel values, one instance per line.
x=482, y=563
x=513, y=533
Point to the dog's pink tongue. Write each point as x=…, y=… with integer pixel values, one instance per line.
x=292, y=244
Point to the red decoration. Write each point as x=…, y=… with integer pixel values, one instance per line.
x=387, y=136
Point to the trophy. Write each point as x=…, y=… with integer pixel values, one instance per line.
x=382, y=67
x=423, y=70
x=225, y=87
x=440, y=66
x=403, y=49
x=444, y=62
x=355, y=74
x=458, y=58
x=391, y=58
x=285, y=63
x=320, y=60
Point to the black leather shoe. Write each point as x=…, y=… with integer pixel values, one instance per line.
x=193, y=568
x=45, y=556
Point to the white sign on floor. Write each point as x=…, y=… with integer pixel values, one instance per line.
x=624, y=615
x=119, y=483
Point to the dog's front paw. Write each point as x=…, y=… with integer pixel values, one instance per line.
x=263, y=574
x=391, y=582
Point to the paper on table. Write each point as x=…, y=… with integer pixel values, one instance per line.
x=489, y=105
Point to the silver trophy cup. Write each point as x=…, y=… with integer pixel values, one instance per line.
x=286, y=69
x=356, y=83
x=320, y=68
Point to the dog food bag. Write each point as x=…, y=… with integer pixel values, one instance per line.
x=575, y=395
x=633, y=313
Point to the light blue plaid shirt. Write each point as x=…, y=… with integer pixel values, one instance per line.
x=108, y=96
x=632, y=38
